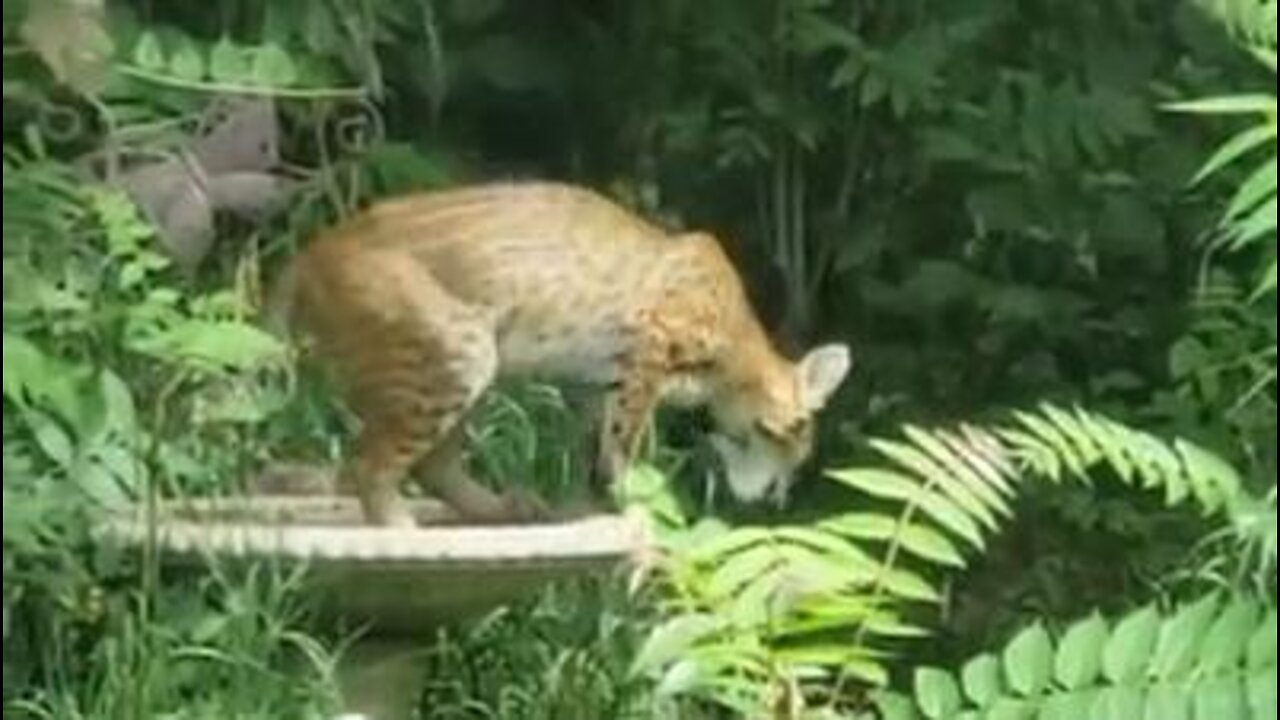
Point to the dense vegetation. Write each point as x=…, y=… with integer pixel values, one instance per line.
x=1047, y=229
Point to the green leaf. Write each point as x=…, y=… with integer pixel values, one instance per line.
x=1010, y=709
x=728, y=542
x=213, y=345
x=1221, y=699
x=1262, y=648
x=920, y=541
x=1263, y=55
x=187, y=63
x=683, y=677
x=874, y=86
x=1229, y=105
x=148, y=54
x=1236, y=148
x=1077, y=434
x=1262, y=694
x=672, y=639
x=1079, y=658
x=52, y=439
x=1181, y=637
x=1128, y=653
x=1033, y=452
x=1110, y=437
x=1261, y=223
x=1260, y=185
x=1266, y=285
x=1212, y=479
x=1169, y=701
x=877, y=483
x=936, y=693
x=866, y=671
x=741, y=569
x=1068, y=706
x=1117, y=703
x=273, y=67
x=894, y=706
x=949, y=460
x=1228, y=639
x=1187, y=356
x=934, y=474
x=896, y=486
x=980, y=459
x=1045, y=431
x=1028, y=661
x=230, y=63
x=981, y=680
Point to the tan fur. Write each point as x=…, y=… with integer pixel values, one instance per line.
x=421, y=302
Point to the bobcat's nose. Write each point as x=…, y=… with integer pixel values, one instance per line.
x=751, y=471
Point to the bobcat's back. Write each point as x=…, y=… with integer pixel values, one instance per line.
x=560, y=269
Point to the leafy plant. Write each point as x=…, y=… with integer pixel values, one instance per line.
x=1250, y=217
x=1211, y=658
x=786, y=616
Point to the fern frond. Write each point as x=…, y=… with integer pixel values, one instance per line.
x=971, y=471
x=1251, y=21
x=780, y=592
x=1211, y=658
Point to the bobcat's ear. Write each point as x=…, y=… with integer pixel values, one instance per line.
x=821, y=372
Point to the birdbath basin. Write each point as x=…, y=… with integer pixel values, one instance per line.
x=398, y=584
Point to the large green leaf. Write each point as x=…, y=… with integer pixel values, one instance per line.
x=1229, y=105
x=1236, y=148
x=1221, y=698
x=963, y=472
x=214, y=345
x=934, y=474
x=1182, y=636
x=672, y=639
x=981, y=680
x=1262, y=694
x=1115, y=703
x=1228, y=638
x=1262, y=648
x=937, y=693
x=896, y=486
x=1257, y=187
x=1169, y=701
x=1079, y=658
x=1028, y=661
x=272, y=66
x=1128, y=652
x=916, y=539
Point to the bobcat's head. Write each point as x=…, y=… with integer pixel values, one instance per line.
x=766, y=422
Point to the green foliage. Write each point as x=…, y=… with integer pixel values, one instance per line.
x=1250, y=217
x=758, y=613
x=1211, y=658
x=563, y=655
x=980, y=195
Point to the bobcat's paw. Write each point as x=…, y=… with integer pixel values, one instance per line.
x=525, y=507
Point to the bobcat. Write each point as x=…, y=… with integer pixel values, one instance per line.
x=420, y=303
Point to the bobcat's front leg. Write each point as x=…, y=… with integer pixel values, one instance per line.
x=626, y=414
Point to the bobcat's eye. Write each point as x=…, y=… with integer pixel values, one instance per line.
x=769, y=432
x=795, y=431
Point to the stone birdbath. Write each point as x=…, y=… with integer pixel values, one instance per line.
x=397, y=584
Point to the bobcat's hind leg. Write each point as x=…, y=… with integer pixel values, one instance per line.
x=414, y=360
